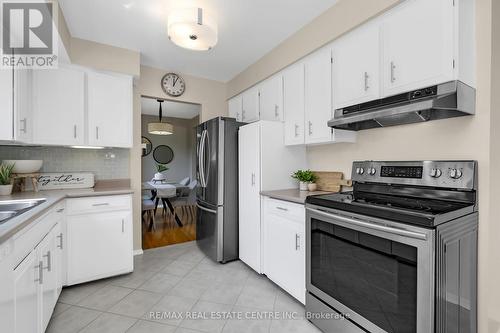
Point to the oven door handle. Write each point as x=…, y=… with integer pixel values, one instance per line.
x=401, y=232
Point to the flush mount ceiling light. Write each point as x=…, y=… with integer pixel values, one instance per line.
x=160, y=128
x=192, y=29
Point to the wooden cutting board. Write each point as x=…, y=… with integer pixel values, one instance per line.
x=331, y=181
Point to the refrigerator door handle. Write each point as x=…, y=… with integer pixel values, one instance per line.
x=206, y=209
x=207, y=174
x=201, y=158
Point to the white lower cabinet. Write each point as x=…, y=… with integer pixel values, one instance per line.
x=99, y=242
x=26, y=284
x=284, y=246
x=36, y=278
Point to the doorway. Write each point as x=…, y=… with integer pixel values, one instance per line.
x=168, y=171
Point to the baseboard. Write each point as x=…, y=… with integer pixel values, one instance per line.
x=138, y=252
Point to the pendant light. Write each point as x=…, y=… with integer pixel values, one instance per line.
x=160, y=128
x=192, y=28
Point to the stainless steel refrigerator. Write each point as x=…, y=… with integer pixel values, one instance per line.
x=217, y=190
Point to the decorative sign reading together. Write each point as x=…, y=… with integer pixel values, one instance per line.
x=54, y=181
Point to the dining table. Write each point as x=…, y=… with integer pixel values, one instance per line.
x=154, y=186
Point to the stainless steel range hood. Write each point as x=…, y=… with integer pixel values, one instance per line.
x=447, y=100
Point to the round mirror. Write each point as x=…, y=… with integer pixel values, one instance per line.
x=147, y=146
x=163, y=154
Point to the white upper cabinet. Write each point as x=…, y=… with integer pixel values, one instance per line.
x=6, y=104
x=110, y=110
x=23, y=116
x=59, y=106
x=418, y=45
x=355, y=66
x=271, y=99
x=318, y=97
x=293, y=104
x=250, y=105
x=235, y=107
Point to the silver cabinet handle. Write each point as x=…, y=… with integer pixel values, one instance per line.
x=97, y=132
x=283, y=209
x=253, y=179
x=60, y=236
x=123, y=225
x=276, y=113
x=243, y=115
x=60, y=210
x=310, y=128
x=296, y=130
x=40, y=272
x=393, y=69
x=101, y=204
x=24, y=129
x=366, y=81
x=74, y=131
x=297, y=242
x=49, y=261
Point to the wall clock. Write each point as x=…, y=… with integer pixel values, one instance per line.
x=173, y=85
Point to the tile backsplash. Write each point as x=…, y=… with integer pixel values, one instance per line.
x=104, y=163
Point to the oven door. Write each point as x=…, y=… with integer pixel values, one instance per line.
x=379, y=274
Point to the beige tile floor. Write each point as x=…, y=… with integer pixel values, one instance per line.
x=178, y=280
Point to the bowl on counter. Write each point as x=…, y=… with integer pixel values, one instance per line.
x=25, y=166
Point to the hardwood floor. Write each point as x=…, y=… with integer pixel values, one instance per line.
x=167, y=231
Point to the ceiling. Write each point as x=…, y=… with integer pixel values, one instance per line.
x=149, y=106
x=248, y=29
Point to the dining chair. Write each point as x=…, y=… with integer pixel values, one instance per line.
x=185, y=181
x=187, y=199
x=148, y=207
x=166, y=193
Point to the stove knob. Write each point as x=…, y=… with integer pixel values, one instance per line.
x=360, y=171
x=372, y=171
x=436, y=173
x=455, y=173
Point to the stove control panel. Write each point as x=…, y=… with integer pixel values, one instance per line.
x=449, y=174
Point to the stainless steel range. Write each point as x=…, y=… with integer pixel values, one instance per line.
x=398, y=253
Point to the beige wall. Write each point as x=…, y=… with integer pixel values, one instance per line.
x=476, y=137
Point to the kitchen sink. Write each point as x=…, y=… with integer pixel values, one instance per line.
x=13, y=208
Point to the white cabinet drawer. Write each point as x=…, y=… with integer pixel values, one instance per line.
x=98, y=204
x=288, y=210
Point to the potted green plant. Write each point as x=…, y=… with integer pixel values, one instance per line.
x=306, y=179
x=6, y=179
x=160, y=168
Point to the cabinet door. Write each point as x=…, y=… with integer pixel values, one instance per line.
x=6, y=104
x=23, y=116
x=27, y=279
x=355, y=66
x=285, y=256
x=58, y=106
x=110, y=107
x=249, y=196
x=47, y=256
x=271, y=99
x=318, y=96
x=250, y=105
x=234, y=107
x=417, y=45
x=293, y=104
x=99, y=245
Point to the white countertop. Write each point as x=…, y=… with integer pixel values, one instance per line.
x=52, y=197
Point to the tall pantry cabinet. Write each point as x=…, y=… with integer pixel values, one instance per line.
x=265, y=163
